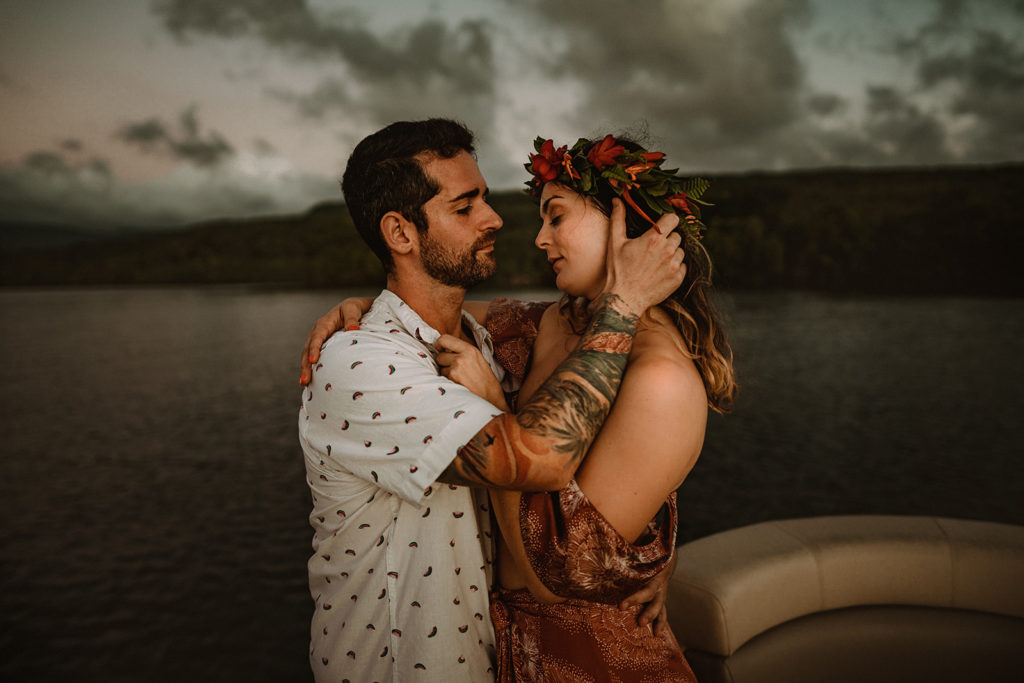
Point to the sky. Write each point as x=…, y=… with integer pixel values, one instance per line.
x=164, y=112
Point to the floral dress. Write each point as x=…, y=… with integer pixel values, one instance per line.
x=579, y=556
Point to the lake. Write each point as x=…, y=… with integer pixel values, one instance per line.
x=153, y=494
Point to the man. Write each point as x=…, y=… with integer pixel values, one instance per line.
x=402, y=543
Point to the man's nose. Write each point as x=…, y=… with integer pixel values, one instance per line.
x=494, y=221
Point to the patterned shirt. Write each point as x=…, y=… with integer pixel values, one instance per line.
x=402, y=564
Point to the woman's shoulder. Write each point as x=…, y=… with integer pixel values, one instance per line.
x=659, y=340
x=553, y=321
x=660, y=358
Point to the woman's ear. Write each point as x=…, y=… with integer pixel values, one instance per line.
x=399, y=234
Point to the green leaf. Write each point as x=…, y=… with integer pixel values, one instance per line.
x=695, y=187
x=616, y=172
x=651, y=202
x=658, y=190
x=586, y=181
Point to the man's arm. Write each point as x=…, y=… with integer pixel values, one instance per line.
x=540, y=448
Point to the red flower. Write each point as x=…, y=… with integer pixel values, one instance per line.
x=546, y=165
x=680, y=202
x=605, y=152
x=567, y=163
x=650, y=160
x=636, y=169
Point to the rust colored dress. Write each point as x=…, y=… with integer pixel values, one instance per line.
x=577, y=555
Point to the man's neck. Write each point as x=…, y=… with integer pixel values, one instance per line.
x=440, y=306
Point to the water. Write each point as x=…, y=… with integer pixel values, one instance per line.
x=153, y=496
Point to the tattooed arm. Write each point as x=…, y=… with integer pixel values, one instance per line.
x=540, y=448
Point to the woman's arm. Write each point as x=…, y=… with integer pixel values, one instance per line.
x=346, y=315
x=649, y=443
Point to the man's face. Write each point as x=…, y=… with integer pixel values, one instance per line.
x=458, y=247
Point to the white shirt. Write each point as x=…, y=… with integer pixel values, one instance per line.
x=402, y=564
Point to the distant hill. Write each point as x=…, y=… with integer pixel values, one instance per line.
x=909, y=231
x=17, y=236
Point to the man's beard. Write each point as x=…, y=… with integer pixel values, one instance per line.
x=453, y=268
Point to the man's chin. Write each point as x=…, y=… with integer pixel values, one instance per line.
x=487, y=258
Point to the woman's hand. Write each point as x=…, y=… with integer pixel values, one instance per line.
x=645, y=270
x=345, y=315
x=462, y=362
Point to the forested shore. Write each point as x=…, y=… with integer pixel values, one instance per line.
x=905, y=231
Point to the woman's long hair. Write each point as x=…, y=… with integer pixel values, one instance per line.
x=689, y=307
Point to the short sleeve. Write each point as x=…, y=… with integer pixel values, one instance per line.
x=378, y=408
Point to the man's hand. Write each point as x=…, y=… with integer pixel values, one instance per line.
x=345, y=315
x=653, y=596
x=462, y=362
x=645, y=270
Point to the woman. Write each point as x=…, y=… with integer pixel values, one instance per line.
x=567, y=559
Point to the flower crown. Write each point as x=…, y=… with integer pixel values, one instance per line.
x=632, y=175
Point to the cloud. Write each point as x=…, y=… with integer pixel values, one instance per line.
x=366, y=77
x=461, y=57
x=826, y=104
x=900, y=131
x=74, y=188
x=987, y=82
x=971, y=57
x=72, y=145
x=706, y=76
x=55, y=186
x=727, y=83
x=154, y=135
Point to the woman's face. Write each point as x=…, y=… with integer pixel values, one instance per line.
x=574, y=235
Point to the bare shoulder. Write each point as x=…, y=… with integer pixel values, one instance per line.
x=552, y=316
x=553, y=326
x=660, y=363
x=477, y=309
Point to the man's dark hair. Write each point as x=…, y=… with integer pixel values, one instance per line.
x=383, y=175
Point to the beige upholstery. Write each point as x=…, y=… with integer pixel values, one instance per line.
x=808, y=585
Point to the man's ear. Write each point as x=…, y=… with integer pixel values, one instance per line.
x=399, y=234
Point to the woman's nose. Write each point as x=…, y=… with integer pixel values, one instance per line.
x=543, y=236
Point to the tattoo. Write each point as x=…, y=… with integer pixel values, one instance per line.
x=611, y=342
x=572, y=404
x=560, y=421
x=499, y=455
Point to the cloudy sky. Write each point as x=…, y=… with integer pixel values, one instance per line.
x=158, y=112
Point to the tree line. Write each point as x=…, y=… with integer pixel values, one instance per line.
x=903, y=231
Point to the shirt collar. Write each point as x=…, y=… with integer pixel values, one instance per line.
x=414, y=324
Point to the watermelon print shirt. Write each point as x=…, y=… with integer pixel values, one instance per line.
x=402, y=564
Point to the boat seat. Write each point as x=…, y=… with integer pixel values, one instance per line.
x=853, y=598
